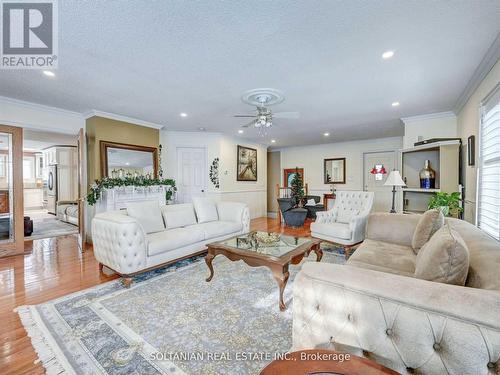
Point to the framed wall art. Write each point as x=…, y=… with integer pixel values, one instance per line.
x=246, y=164
x=471, y=150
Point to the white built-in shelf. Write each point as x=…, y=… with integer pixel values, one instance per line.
x=420, y=190
x=444, y=159
x=430, y=146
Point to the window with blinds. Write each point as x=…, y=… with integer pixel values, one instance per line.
x=488, y=197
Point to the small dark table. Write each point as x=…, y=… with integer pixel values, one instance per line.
x=319, y=361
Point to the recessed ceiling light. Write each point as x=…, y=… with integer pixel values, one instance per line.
x=395, y=104
x=183, y=114
x=48, y=73
x=201, y=129
x=326, y=134
x=387, y=55
x=240, y=131
x=127, y=163
x=273, y=140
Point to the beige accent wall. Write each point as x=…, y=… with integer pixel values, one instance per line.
x=104, y=129
x=273, y=178
x=468, y=124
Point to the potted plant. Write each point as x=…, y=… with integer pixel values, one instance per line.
x=297, y=188
x=448, y=203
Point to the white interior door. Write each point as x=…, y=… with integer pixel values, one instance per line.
x=191, y=173
x=375, y=182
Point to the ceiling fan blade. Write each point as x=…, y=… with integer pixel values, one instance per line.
x=245, y=116
x=291, y=115
x=251, y=123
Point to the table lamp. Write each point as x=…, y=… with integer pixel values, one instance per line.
x=394, y=179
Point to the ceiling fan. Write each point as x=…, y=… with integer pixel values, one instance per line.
x=263, y=116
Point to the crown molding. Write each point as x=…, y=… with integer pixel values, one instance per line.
x=77, y=115
x=41, y=107
x=114, y=116
x=429, y=116
x=489, y=60
x=193, y=132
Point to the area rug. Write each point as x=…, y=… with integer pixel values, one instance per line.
x=47, y=225
x=170, y=321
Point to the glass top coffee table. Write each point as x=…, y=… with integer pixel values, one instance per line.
x=273, y=250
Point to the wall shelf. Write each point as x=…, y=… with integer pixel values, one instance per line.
x=420, y=190
x=444, y=158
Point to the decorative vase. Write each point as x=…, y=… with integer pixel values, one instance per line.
x=427, y=176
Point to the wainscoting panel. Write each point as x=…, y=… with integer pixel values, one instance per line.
x=255, y=198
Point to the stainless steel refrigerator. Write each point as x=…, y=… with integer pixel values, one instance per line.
x=52, y=189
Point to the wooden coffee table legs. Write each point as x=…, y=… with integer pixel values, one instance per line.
x=318, y=251
x=277, y=267
x=208, y=260
x=281, y=275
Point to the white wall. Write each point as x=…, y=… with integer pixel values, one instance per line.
x=468, y=124
x=225, y=148
x=311, y=159
x=436, y=125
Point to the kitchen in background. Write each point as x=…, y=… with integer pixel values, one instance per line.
x=50, y=175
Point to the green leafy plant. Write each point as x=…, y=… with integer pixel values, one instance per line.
x=448, y=203
x=109, y=183
x=297, y=187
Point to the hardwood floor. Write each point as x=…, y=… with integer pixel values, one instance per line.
x=55, y=268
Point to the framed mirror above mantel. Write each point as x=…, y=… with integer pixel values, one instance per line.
x=125, y=160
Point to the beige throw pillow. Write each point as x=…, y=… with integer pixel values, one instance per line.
x=444, y=258
x=429, y=223
x=148, y=214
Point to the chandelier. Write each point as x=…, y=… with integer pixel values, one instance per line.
x=264, y=121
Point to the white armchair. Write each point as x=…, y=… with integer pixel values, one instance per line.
x=345, y=223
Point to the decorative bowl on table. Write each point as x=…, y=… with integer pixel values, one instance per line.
x=267, y=238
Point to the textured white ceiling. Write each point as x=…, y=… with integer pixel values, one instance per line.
x=152, y=60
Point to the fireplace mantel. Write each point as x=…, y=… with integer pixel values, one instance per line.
x=118, y=197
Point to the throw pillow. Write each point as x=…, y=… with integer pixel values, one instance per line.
x=178, y=215
x=444, y=258
x=148, y=214
x=311, y=202
x=429, y=223
x=206, y=210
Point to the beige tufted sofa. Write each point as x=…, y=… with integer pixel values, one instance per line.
x=374, y=307
x=122, y=244
x=345, y=223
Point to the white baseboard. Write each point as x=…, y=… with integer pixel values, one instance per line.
x=272, y=215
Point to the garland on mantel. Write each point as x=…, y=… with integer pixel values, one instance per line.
x=109, y=183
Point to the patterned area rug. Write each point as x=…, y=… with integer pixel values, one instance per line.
x=47, y=225
x=169, y=322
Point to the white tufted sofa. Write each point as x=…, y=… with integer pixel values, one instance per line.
x=345, y=223
x=410, y=325
x=121, y=243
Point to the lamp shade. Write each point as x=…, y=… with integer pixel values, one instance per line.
x=394, y=179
